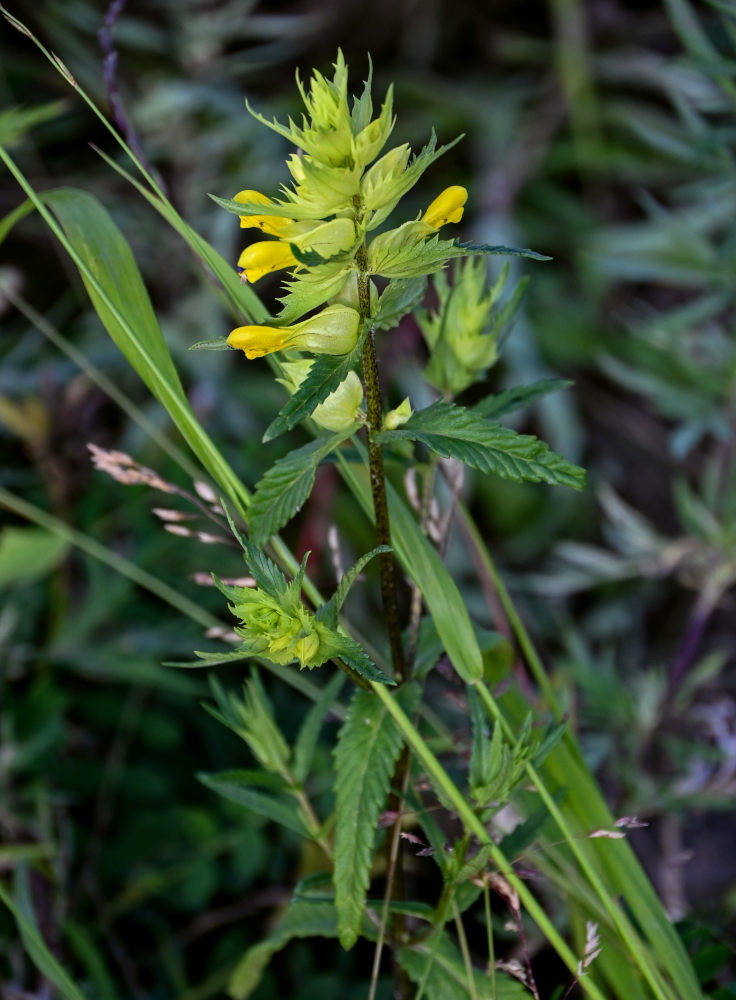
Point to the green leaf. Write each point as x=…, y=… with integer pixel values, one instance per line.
x=336, y=645
x=325, y=375
x=233, y=786
x=473, y=249
x=282, y=209
x=399, y=298
x=287, y=484
x=368, y=747
x=213, y=344
x=306, y=741
x=303, y=919
x=29, y=553
x=37, y=950
x=308, y=289
x=16, y=122
x=329, y=611
x=498, y=405
x=454, y=432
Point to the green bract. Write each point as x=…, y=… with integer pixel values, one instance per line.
x=463, y=333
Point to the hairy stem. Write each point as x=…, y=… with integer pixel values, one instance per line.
x=378, y=482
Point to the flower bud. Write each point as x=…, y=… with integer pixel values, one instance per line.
x=324, y=238
x=341, y=409
x=395, y=418
x=375, y=186
x=332, y=331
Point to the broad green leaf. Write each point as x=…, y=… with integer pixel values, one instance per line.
x=398, y=298
x=367, y=749
x=454, y=432
x=106, y=253
x=306, y=741
x=287, y=484
x=38, y=951
x=281, y=810
x=325, y=375
x=447, y=979
x=498, y=405
x=302, y=920
x=329, y=611
x=29, y=553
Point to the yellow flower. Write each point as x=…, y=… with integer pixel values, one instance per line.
x=263, y=257
x=271, y=224
x=447, y=207
x=332, y=331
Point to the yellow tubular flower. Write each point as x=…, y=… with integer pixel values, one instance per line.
x=271, y=224
x=263, y=257
x=447, y=207
x=332, y=331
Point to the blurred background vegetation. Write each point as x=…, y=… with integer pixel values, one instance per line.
x=600, y=132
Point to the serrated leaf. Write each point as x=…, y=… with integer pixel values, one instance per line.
x=473, y=249
x=399, y=298
x=325, y=375
x=349, y=651
x=308, y=289
x=498, y=405
x=213, y=344
x=367, y=749
x=454, y=432
x=286, y=485
x=329, y=611
x=266, y=574
x=412, y=259
x=281, y=810
x=306, y=741
x=303, y=919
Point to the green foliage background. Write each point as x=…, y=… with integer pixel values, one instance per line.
x=598, y=133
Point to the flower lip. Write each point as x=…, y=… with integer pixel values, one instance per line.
x=448, y=206
x=271, y=224
x=263, y=257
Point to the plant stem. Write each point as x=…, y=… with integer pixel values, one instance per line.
x=378, y=482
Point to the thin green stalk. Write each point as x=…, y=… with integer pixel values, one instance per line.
x=451, y=792
x=489, y=935
x=517, y=626
x=464, y=950
x=620, y=921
